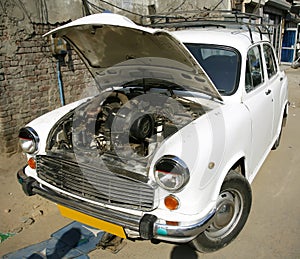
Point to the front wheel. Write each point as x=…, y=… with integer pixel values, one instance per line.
x=233, y=207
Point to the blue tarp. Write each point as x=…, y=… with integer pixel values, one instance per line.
x=75, y=240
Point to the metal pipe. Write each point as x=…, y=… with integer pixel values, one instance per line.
x=60, y=84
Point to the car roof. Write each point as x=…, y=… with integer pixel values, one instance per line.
x=239, y=39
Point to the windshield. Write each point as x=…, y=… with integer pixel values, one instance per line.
x=222, y=64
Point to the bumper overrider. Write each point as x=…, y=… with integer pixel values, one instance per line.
x=145, y=227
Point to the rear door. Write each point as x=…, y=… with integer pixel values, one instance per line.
x=259, y=101
x=274, y=81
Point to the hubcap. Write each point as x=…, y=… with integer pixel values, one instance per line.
x=224, y=214
x=228, y=212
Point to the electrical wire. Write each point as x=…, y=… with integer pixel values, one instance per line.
x=176, y=8
x=22, y=6
x=95, y=7
x=171, y=11
x=217, y=5
x=112, y=5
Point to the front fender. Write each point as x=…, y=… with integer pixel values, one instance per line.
x=209, y=146
x=197, y=144
x=43, y=124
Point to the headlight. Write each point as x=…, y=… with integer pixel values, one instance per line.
x=28, y=140
x=171, y=173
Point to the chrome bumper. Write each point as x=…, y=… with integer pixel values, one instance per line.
x=182, y=233
x=145, y=227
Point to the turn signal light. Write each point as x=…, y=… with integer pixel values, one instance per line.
x=31, y=162
x=172, y=223
x=171, y=202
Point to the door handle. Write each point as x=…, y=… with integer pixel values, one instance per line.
x=268, y=92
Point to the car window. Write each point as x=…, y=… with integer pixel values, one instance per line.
x=254, y=71
x=270, y=60
x=222, y=64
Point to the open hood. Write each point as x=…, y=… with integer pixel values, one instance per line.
x=114, y=47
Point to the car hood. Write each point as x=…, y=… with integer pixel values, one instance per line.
x=114, y=47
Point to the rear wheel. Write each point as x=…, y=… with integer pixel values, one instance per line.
x=284, y=119
x=233, y=207
x=277, y=141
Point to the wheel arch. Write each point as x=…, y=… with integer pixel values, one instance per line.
x=283, y=118
x=239, y=166
x=226, y=226
x=286, y=109
x=238, y=163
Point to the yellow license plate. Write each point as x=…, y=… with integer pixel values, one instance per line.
x=91, y=221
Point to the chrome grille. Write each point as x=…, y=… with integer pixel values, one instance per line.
x=95, y=183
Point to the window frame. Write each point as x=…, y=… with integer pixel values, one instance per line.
x=273, y=57
x=262, y=69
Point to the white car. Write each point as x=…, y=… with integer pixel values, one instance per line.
x=168, y=148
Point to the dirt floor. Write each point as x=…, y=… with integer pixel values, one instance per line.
x=272, y=230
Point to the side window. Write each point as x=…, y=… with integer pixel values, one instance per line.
x=254, y=70
x=270, y=60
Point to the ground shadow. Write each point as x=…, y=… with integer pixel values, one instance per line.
x=183, y=251
x=64, y=245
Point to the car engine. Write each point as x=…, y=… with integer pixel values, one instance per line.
x=129, y=122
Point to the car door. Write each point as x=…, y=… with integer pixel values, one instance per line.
x=259, y=102
x=274, y=81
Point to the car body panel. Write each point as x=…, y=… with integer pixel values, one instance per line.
x=261, y=137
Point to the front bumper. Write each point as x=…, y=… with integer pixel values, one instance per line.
x=145, y=227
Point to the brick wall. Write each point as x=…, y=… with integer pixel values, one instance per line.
x=28, y=80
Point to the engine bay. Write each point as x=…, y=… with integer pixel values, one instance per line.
x=130, y=121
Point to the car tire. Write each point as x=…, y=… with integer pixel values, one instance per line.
x=233, y=207
x=277, y=141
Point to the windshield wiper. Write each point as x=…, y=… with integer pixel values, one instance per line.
x=221, y=91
